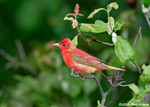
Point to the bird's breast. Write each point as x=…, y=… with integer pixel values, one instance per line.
x=68, y=60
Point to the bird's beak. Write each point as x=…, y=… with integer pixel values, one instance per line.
x=56, y=44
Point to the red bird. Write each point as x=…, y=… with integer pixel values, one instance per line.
x=81, y=61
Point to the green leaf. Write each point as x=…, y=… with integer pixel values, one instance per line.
x=75, y=40
x=98, y=27
x=142, y=97
x=118, y=25
x=112, y=5
x=124, y=50
x=146, y=2
x=94, y=12
x=143, y=93
x=138, y=98
x=145, y=77
x=146, y=70
x=134, y=88
x=98, y=104
x=110, y=24
x=68, y=18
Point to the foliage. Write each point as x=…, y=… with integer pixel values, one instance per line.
x=122, y=47
x=142, y=91
x=124, y=50
x=32, y=72
x=75, y=40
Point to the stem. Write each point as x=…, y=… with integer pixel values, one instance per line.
x=137, y=66
x=93, y=39
x=104, y=94
x=13, y=61
x=147, y=19
x=136, y=38
x=98, y=41
x=99, y=85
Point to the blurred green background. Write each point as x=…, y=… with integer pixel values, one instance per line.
x=32, y=72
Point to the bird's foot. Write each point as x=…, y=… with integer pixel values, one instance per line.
x=81, y=76
x=77, y=74
x=74, y=73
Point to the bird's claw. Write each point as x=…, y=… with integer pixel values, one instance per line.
x=81, y=76
x=77, y=74
x=74, y=73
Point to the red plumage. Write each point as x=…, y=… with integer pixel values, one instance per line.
x=81, y=61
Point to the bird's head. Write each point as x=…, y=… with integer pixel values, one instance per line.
x=65, y=44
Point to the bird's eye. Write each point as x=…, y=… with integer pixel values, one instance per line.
x=64, y=45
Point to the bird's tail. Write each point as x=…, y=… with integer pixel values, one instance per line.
x=115, y=68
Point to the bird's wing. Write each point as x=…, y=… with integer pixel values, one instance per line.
x=84, y=58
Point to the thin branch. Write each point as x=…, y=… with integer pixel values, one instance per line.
x=125, y=85
x=79, y=32
x=92, y=39
x=147, y=19
x=98, y=41
x=14, y=62
x=136, y=38
x=21, y=50
x=99, y=85
x=6, y=55
x=105, y=76
x=117, y=81
x=137, y=66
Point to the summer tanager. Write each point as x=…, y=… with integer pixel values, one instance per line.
x=81, y=61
